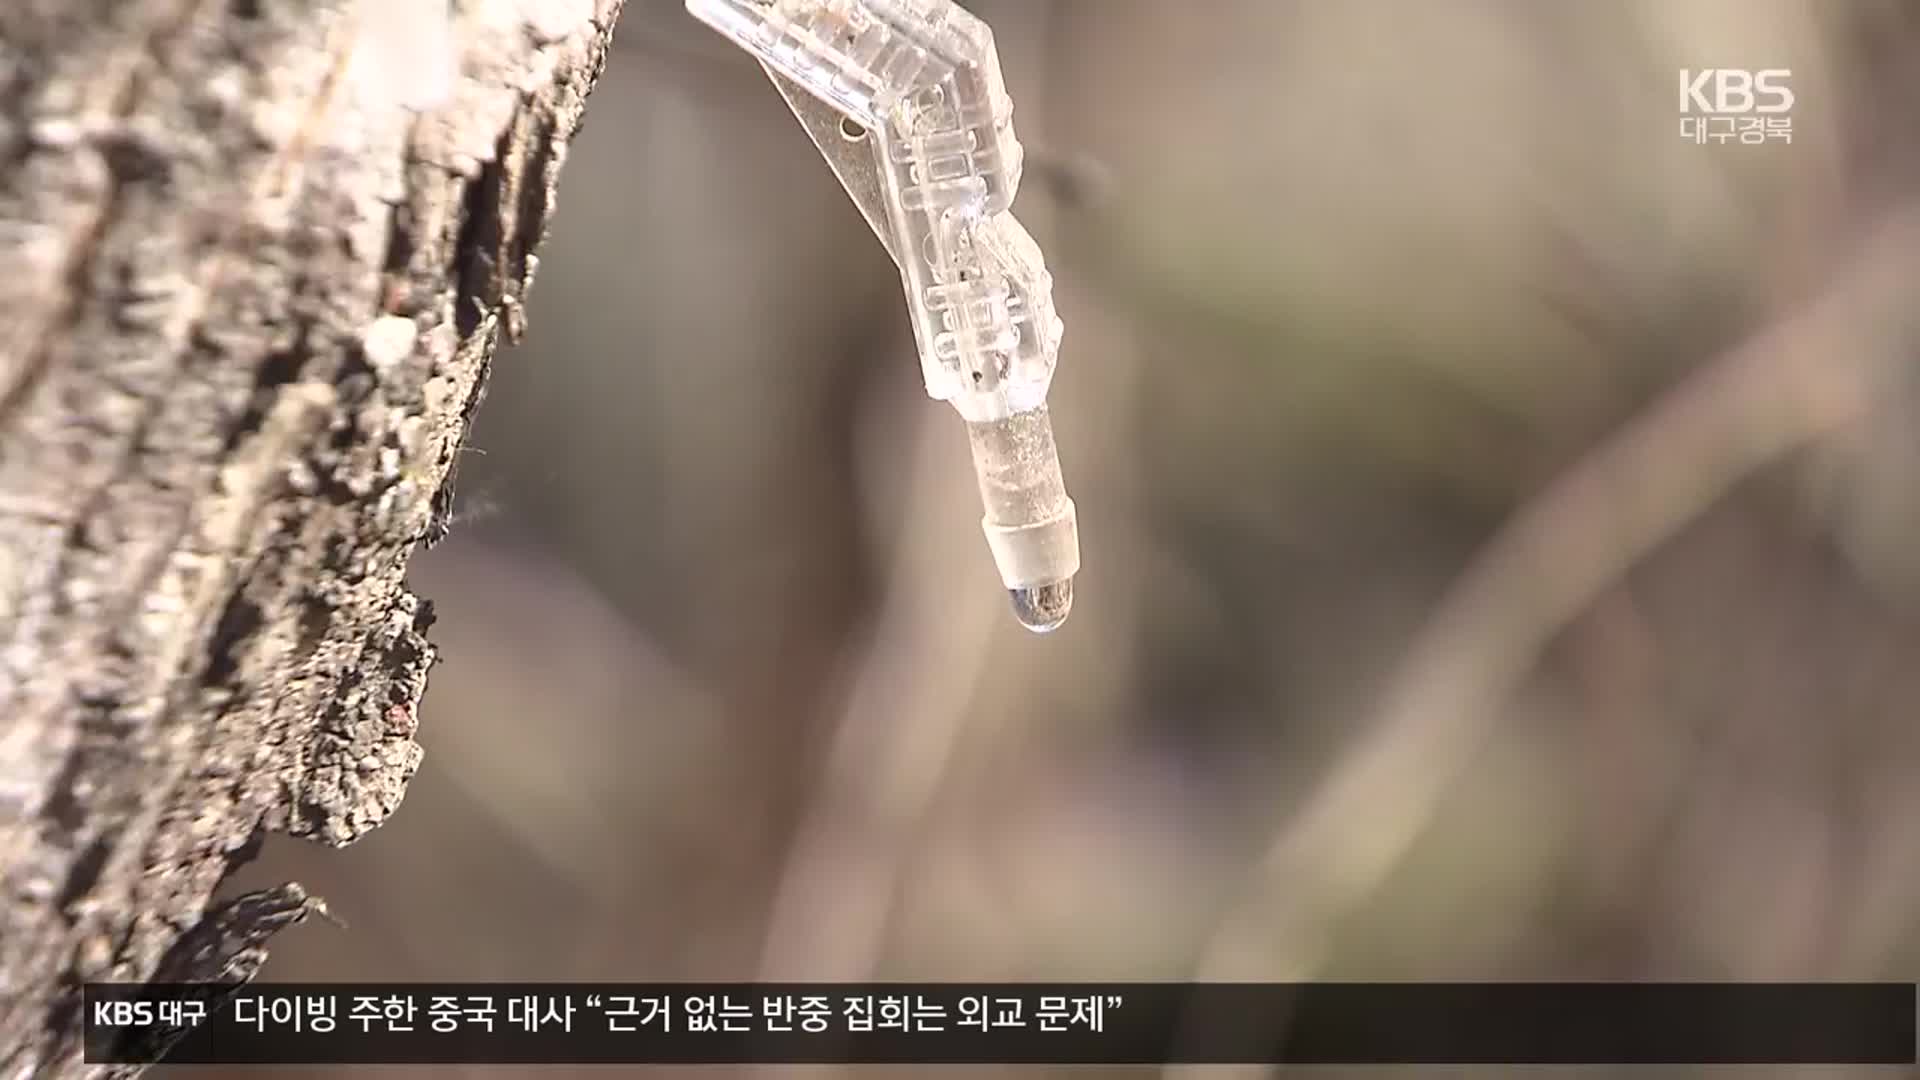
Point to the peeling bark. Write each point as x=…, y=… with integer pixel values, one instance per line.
x=252, y=274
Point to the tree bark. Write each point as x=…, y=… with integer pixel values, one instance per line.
x=255, y=256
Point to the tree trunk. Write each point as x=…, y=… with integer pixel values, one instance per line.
x=255, y=256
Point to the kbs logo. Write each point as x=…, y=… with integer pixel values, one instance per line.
x=1735, y=91
x=123, y=1013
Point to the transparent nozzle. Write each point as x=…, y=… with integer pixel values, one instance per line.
x=922, y=80
x=1030, y=522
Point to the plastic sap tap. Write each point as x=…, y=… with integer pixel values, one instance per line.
x=905, y=100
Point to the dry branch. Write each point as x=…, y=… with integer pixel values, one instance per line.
x=1797, y=381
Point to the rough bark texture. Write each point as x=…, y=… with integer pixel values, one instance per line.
x=254, y=260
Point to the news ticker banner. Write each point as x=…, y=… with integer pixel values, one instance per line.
x=1005, y=1023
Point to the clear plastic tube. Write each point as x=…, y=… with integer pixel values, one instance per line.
x=922, y=78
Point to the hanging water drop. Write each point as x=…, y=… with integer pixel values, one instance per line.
x=1042, y=608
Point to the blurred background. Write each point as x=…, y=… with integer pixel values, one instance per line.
x=1464, y=596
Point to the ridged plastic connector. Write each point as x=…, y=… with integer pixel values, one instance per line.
x=922, y=81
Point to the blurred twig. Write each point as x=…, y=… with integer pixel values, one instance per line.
x=904, y=718
x=1793, y=383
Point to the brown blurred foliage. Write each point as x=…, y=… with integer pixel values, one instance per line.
x=729, y=686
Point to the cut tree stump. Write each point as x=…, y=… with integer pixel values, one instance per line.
x=255, y=257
